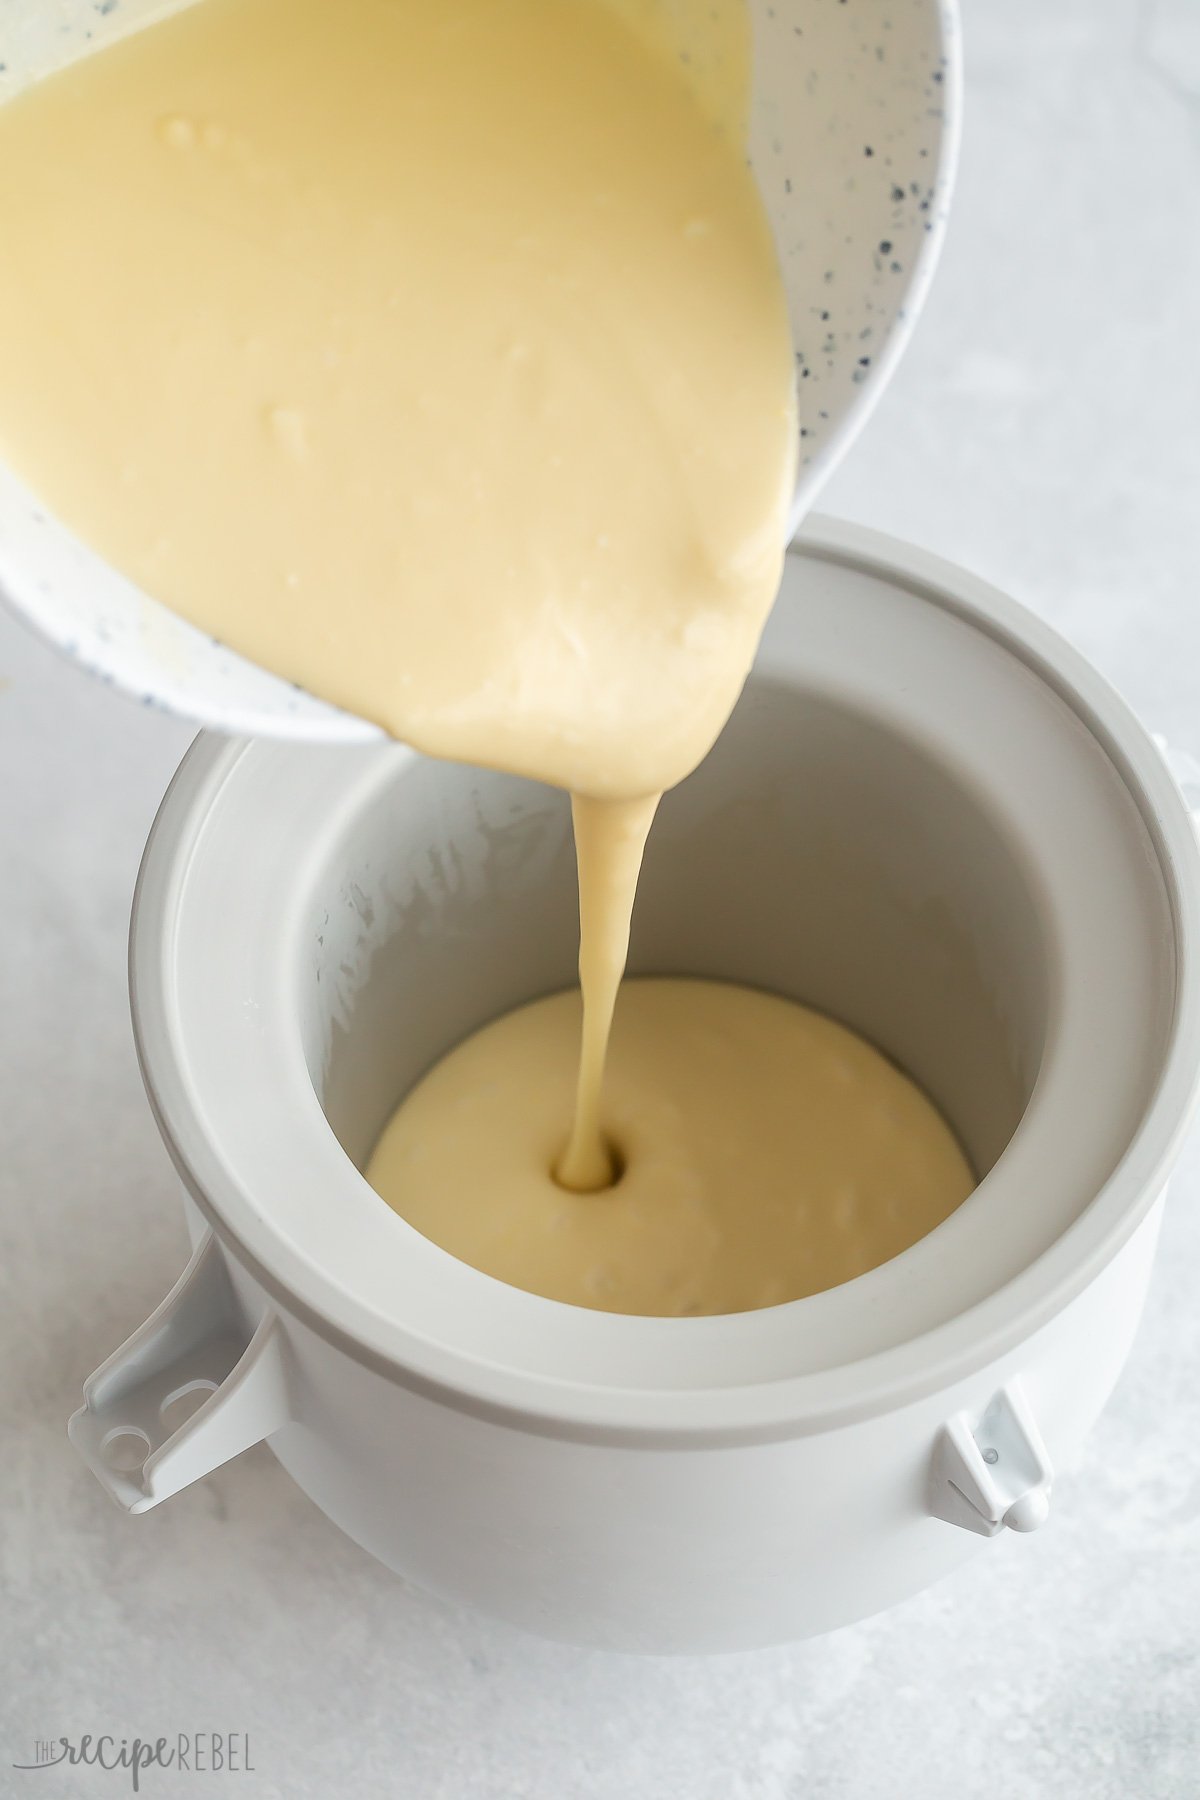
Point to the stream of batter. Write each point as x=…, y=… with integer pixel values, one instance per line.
x=435, y=356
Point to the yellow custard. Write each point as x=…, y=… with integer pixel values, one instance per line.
x=434, y=354
x=767, y=1153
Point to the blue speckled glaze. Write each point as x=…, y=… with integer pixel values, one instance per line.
x=853, y=139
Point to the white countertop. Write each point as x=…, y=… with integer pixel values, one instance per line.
x=1045, y=431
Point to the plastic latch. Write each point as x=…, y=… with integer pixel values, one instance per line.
x=992, y=1472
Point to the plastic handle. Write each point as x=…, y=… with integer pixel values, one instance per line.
x=197, y=1341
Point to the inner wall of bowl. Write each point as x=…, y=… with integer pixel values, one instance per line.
x=816, y=853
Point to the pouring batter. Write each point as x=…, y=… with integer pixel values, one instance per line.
x=436, y=357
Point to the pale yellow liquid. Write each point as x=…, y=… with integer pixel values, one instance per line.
x=434, y=354
x=431, y=352
x=768, y=1153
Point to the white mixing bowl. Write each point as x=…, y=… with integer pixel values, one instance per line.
x=928, y=816
x=853, y=138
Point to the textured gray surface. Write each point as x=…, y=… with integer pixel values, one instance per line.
x=1043, y=430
